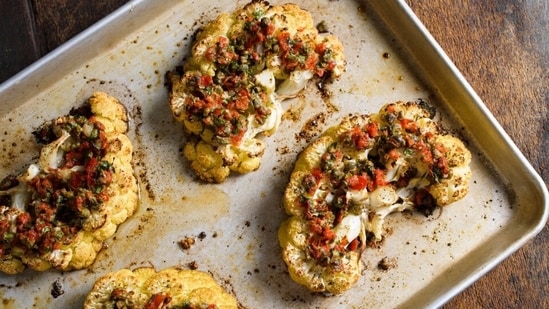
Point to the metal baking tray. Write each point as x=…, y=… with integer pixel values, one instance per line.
x=391, y=57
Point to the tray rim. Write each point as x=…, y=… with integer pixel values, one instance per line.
x=428, y=45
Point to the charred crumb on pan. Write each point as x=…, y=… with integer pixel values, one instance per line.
x=322, y=27
x=322, y=86
x=193, y=265
x=387, y=263
x=293, y=113
x=255, y=271
x=139, y=153
x=57, y=289
x=331, y=107
x=187, y=242
x=312, y=128
x=283, y=150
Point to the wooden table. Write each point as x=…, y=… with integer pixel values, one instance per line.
x=502, y=48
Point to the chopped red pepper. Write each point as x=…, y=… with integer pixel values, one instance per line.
x=327, y=233
x=373, y=129
x=358, y=182
x=359, y=138
x=317, y=173
x=379, y=175
x=409, y=125
x=393, y=154
x=354, y=244
x=157, y=301
x=283, y=40
x=205, y=81
x=22, y=220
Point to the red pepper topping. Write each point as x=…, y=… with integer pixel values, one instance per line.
x=358, y=182
x=354, y=244
x=409, y=125
x=223, y=102
x=359, y=138
x=379, y=178
x=158, y=301
x=373, y=129
x=63, y=197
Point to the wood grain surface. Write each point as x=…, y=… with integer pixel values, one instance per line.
x=501, y=47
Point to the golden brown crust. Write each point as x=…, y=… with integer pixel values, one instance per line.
x=345, y=182
x=181, y=287
x=243, y=64
x=93, y=195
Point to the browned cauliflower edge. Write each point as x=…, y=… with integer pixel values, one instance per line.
x=168, y=288
x=61, y=210
x=349, y=179
x=242, y=65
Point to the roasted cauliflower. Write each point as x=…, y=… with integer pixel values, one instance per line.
x=147, y=289
x=242, y=66
x=58, y=213
x=349, y=179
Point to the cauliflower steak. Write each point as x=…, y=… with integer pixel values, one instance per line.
x=58, y=213
x=169, y=288
x=242, y=66
x=349, y=179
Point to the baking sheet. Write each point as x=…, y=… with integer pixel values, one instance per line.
x=390, y=57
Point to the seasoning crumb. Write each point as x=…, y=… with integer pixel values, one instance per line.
x=322, y=27
x=193, y=265
x=386, y=263
x=283, y=150
x=57, y=289
x=187, y=242
x=202, y=235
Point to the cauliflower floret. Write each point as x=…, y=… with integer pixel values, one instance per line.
x=455, y=186
x=168, y=288
x=323, y=239
x=214, y=165
x=242, y=66
x=333, y=277
x=418, y=154
x=82, y=187
x=346, y=182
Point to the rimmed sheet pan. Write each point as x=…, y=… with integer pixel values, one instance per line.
x=390, y=56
